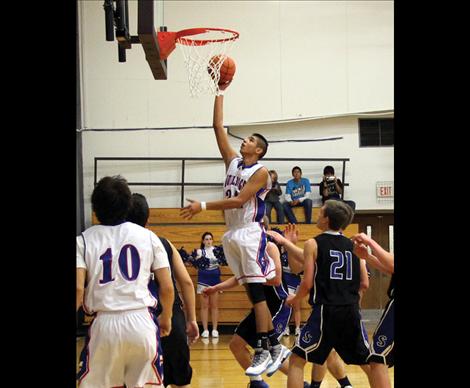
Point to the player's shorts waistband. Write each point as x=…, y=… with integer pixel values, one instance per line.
x=242, y=225
x=123, y=312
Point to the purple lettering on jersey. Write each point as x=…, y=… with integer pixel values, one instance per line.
x=135, y=262
x=107, y=258
x=236, y=181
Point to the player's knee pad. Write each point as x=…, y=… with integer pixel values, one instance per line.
x=256, y=292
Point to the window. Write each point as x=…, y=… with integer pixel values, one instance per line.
x=375, y=132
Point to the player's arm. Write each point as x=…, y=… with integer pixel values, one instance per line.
x=226, y=150
x=274, y=254
x=166, y=297
x=364, y=284
x=310, y=258
x=225, y=285
x=378, y=253
x=295, y=255
x=257, y=181
x=187, y=291
x=81, y=276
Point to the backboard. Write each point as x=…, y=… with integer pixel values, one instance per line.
x=150, y=20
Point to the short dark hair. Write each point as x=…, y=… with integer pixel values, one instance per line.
x=111, y=200
x=328, y=170
x=139, y=211
x=339, y=214
x=262, y=144
x=296, y=168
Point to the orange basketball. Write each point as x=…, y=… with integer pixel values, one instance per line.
x=227, y=69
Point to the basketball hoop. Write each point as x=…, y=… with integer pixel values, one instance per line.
x=203, y=73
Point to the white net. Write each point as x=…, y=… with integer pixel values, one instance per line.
x=203, y=58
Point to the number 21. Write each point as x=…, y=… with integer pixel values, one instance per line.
x=339, y=263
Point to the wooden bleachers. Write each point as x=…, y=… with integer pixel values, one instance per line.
x=233, y=304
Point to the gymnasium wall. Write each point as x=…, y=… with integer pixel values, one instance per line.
x=294, y=59
x=365, y=168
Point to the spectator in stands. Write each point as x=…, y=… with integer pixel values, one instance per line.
x=273, y=199
x=332, y=187
x=298, y=194
x=208, y=275
x=177, y=370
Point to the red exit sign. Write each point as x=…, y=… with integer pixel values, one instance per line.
x=384, y=189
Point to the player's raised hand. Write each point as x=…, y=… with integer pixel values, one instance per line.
x=192, y=330
x=190, y=210
x=361, y=238
x=291, y=233
x=360, y=250
x=277, y=237
x=225, y=85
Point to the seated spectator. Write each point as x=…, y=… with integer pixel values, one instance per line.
x=332, y=187
x=273, y=199
x=298, y=194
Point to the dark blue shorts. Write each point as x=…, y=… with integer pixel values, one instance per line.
x=333, y=327
x=383, y=341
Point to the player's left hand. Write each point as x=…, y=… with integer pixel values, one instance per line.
x=165, y=325
x=190, y=210
x=360, y=250
x=192, y=330
x=290, y=300
x=291, y=233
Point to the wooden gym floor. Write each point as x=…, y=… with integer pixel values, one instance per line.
x=215, y=367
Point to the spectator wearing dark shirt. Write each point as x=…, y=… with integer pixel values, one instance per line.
x=332, y=187
x=273, y=199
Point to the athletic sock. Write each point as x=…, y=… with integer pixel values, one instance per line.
x=262, y=341
x=344, y=382
x=272, y=335
x=256, y=378
x=315, y=384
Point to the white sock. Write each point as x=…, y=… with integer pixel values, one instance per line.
x=256, y=378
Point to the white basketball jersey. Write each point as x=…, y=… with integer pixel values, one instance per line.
x=253, y=210
x=119, y=261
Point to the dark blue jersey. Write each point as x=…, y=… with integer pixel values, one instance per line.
x=337, y=273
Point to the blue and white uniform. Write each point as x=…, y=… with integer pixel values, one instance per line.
x=245, y=241
x=209, y=276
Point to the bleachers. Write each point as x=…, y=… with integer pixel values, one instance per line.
x=233, y=304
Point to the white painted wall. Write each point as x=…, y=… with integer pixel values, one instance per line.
x=365, y=168
x=294, y=59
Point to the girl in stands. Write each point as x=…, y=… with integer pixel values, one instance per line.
x=208, y=275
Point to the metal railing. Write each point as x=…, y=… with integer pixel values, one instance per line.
x=182, y=183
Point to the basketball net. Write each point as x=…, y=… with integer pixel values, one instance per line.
x=203, y=72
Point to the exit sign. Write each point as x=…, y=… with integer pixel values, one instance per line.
x=384, y=190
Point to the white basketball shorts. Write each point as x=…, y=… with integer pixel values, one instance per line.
x=245, y=251
x=123, y=348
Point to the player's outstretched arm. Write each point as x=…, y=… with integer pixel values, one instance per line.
x=225, y=285
x=386, y=258
x=257, y=181
x=226, y=150
x=187, y=291
x=166, y=297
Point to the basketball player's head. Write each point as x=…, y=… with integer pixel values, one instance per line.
x=206, y=240
x=334, y=215
x=255, y=144
x=139, y=211
x=111, y=200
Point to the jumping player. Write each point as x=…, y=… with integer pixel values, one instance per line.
x=383, y=340
x=335, y=274
x=245, y=333
x=244, y=244
x=117, y=258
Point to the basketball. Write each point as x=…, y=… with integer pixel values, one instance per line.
x=227, y=69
